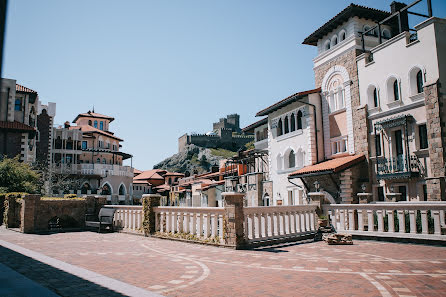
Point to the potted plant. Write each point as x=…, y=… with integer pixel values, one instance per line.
x=322, y=220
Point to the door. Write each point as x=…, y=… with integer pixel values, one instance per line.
x=403, y=191
x=399, y=164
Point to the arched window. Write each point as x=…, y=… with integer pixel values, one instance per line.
x=89, y=122
x=96, y=124
x=366, y=28
x=375, y=98
x=104, y=161
x=327, y=45
x=18, y=104
x=122, y=190
x=342, y=35
x=419, y=81
x=293, y=122
x=396, y=93
x=299, y=120
x=291, y=160
x=101, y=125
x=334, y=41
x=106, y=190
x=386, y=34
x=287, y=129
x=98, y=161
x=279, y=127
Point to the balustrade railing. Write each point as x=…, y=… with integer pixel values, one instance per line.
x=127, y=217
x=271, y=222
x=419, y=220
x=202, y=223
x=400, y=165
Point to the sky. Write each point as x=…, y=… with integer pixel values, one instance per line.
x=168, y=67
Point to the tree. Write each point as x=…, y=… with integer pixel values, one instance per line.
x=16, y=176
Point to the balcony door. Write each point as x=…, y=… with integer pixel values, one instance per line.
x=399, y=150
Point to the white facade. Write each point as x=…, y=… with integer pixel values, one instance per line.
x=292, y=149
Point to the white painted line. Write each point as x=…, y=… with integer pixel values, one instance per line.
x=380, y=288
x=157, y=287
x=187, y=276
x=401, y=289
x=176, y=281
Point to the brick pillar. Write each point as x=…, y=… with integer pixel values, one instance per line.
x=233, y=221
x=149, y=201
x=435, y=135
x=346, y=186
x=28, y=213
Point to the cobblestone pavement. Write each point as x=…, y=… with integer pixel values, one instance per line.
x=367, y=268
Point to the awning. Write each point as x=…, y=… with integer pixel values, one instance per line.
x=330, y=166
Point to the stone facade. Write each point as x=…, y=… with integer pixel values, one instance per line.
x=233, y=222
x=434, y=100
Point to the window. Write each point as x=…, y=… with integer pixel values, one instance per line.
x=100, y=143
x=299, y=120
x=365, y=29
x=286, y=125
x=291, y=160
x=96, y=124
x=380, y=193
x=327, y=45
x=422, y=131
x=104, y=161
x=84, y=145
x=98, y=160
x=334, y=41
x=258, y=136
x=419, y=81
x=396, y=94
x=375, y=98
x=399, y=142
x=101, y=125
x=89, y=122
x=293, y=122
x=279, y=128
x=424, y=192
x=339, y=146
x=386, y=34
x=18, y=104
x=342, y=36
x=378, y=150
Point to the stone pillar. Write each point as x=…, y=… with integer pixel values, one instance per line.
x=436, y=139
x=364, y=198
x=317, y=198
x=233, y=221
x=149, y=201
x=28, y=213
x=346, y=187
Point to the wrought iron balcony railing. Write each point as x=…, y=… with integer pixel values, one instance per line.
x=397, y=167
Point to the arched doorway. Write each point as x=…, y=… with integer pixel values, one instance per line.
x=122, y=189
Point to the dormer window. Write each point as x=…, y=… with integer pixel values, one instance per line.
x=334, y=41
x=342, y=36
x=327, y=45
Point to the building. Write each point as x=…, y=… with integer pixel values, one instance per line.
x=294, y=141
x=90, y=154
x=225, y=134
x=25, y=124
x=381, y=106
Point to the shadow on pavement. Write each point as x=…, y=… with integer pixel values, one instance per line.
x=58, y=281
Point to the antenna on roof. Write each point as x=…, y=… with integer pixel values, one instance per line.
x=93, y=108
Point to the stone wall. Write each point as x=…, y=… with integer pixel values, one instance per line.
x=436, y=135
x=10, y=143
x=226, y=141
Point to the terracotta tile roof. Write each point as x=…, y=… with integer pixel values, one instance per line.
x=163, y=187
x=205, y=187
x=90, y=129
x=250, y=128
x=141, y=182
x=16, y=126
x=150, y=174
x=350, y=11
x=286, y=101
x=330, y=166
x=136, y=171
x=20, y=88
x=173, y=174
x=91, y=114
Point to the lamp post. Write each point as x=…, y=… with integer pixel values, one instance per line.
x=317, y=186
x=363, y=187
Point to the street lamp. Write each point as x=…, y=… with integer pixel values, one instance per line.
x=363, y=187
x=317, y=186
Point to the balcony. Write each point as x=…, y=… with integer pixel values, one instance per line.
x=102, y=170
x=397, y=167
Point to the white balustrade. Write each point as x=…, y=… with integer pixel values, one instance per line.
x=273, y=222
x=203, y=222
x=127, y=217
x=416, y=220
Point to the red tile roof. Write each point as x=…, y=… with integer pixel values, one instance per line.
x=17, y=126
x=20, y=88
x=90, y=129
x=163, y=187
x=286, y=101
x=141, y=182
x=150, y=174
x=91, y=114
x=350, y=11
x=330, y=166
x=136, y=171
x=173, y=174
x=250, y=128
x=205, y=187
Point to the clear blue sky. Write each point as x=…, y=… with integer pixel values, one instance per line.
x=163, y=68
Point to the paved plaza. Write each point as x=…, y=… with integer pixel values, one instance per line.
x=116, y=264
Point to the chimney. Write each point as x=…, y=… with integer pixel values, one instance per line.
x=404, y=19
x=67, y=124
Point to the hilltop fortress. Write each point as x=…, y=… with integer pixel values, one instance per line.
x=225, y=135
